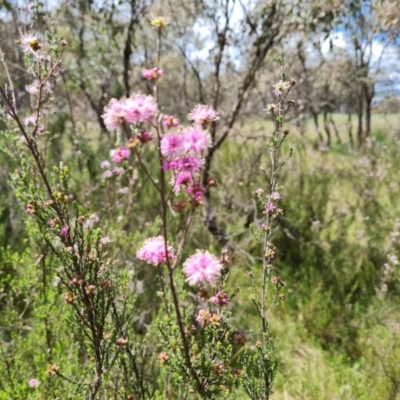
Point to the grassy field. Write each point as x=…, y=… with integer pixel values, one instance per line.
x=382, y=125
x=331, y=342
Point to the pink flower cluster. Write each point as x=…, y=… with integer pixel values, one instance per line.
x=31, y=120
x=202, y=268
x=170, y=121
x=153, y=251
x=144, y=137
x=120, y=154
x=276, y=196
x=218, y=369
x=30, y=209
x=135, y=110
x=203, y=316
x=220, y=299
x=270, y=207
x=109, y=173
x=196, y=191
x=183, y=154
x=33, y=88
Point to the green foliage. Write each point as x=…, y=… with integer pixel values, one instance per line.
x=332, y=269
x=86, y=319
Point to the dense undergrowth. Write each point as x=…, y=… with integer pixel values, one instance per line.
x=338, y=329
x=338, y=252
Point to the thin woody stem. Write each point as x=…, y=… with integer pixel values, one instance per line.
x=171, y=267
x=10, y=82
x=273, y=153
x=41, y=86
x=96, y=334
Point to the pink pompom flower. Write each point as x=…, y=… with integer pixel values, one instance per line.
x=153, y=251
x=172, y=145
x=193, y=142
x=196, y=141
x=30, y=43
x=171, y=165
x=140, y=108
x=115, y=114
x=33, y=383
x=202, y=115
x=202, y=268
x=152, y=74
x=281, y=87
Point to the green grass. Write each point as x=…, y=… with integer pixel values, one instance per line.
x=326, y=350
x=382, y=126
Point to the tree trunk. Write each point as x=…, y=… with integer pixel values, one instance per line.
x=315, y=118
x=350, y=128
x=335, y=128
x=326, y=126
x=360, y=121
x=369, y=94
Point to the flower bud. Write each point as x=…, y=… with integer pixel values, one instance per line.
x=163, y=357
x=133, y=142
x=159, y=22
x=179, y=207
x=30, y=209
x=121, y=342
x=52, y=370
x=212, y=182
x=144, y=137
